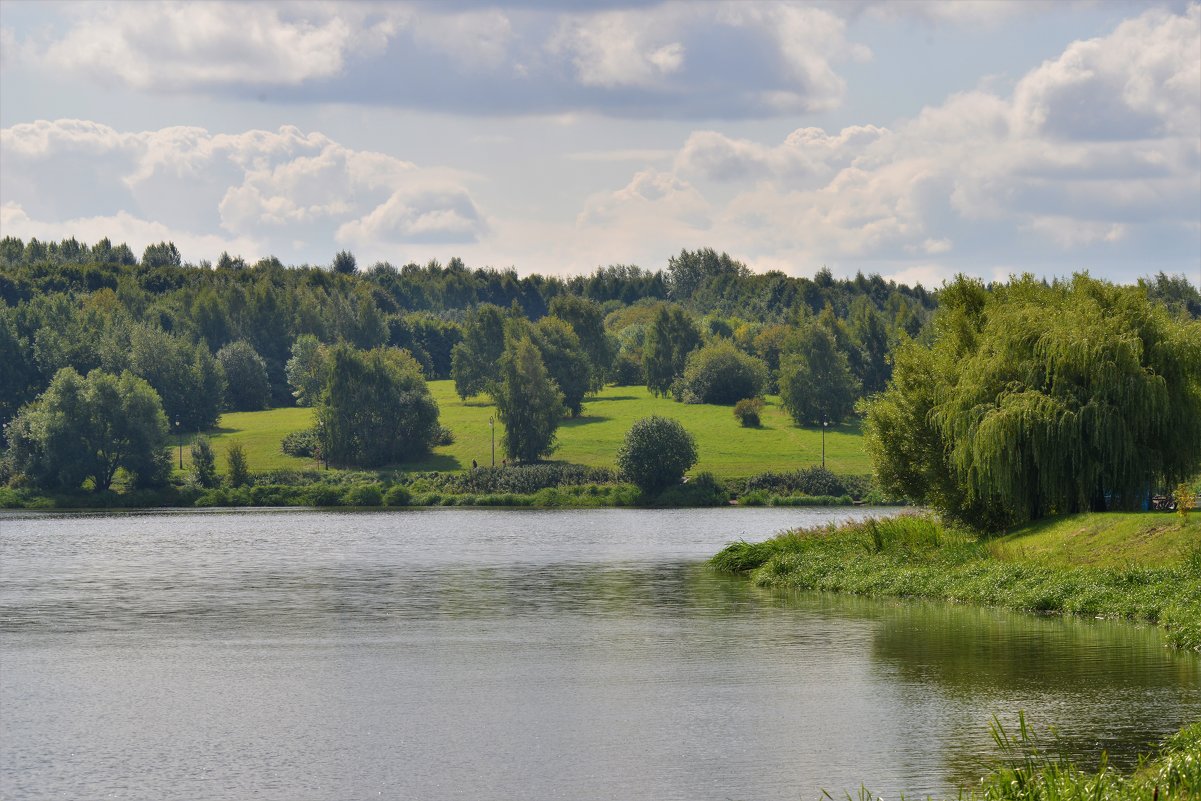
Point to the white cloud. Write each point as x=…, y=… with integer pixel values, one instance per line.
x=273, y=188
x=975, y=177
x=1141, y=81
x=730, y=59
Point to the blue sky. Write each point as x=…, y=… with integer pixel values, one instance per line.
x=913, y=139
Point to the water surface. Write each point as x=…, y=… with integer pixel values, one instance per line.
x=466, y=654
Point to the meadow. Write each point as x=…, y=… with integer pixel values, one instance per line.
x=726, y=448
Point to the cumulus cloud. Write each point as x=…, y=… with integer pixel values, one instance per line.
x=1096, y=153
x=730, y=59
x=283, y=190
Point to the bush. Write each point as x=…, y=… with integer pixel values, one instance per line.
x=204, y=463
x=747, y=411
x=397, y=495
x=524, y=479
x=363, y=495
x=239, y=469
x=303, y=444
x=444, y=436
x=323, y=495
x=720, y=373
x=807, y=481
x=656, y=453
x=703, y=490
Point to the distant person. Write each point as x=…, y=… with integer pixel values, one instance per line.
x=473, y=464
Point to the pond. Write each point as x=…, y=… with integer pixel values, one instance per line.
x=512, y=654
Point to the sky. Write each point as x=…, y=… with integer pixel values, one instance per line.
x=916, y=139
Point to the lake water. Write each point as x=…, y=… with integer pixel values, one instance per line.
x=484, y=654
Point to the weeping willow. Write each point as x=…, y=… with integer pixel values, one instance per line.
x=1039, y=399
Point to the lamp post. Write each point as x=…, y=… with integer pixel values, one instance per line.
x=321, y=455
x=824, y=424
x=179, y=439
x=492, y=430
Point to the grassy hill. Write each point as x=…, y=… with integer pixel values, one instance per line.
x=726, y=448
x=1111, y=539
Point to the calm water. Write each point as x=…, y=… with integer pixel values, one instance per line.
x=471, y=654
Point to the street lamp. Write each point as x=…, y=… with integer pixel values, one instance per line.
x=321, y=454
x=824, y=424
x=492, y=429
x=179, y=438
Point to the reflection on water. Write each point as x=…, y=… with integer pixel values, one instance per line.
x=468, y=654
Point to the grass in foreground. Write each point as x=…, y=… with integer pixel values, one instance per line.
x=1026, y=773
x=917, y=556
x=726, y=448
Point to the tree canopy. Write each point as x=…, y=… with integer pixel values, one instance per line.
x=528, y=402
x=376, y=408
x=1039, y=399
x=85, y=429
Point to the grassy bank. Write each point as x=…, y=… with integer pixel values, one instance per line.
x=726, y=448
x=1138, y=567
x=1027, y=773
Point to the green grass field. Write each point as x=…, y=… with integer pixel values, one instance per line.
x=726, y=448
x=1112, y=539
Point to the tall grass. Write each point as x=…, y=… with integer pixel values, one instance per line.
x=917, y=556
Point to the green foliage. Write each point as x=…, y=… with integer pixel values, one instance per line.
x=670, y=337
x=190, y=382
x=656, y=453
x=816, y=383
x=204, y=463
x=1036, y=399
x=808, y=481
x=247, y=388
x=527, y=478
x=1185, y=499
x=237, y=466
x=703, y=490
x=86, y=429
x=475, y=362
x=917, y=556
x=587, y=321
x=344, y=263
x=307, y=370
x=363, y=495
x=376, y=409
x=304, y=444
x=720, y=373
x=565, y=360
x=527, y=402
x=397, y=495
x=747, y=412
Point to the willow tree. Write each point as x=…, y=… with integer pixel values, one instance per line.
x=1039, y=399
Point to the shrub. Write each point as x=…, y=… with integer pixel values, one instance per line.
x=323, y=495
x=520, y=479
x=703, y=490
x=656, y=453
x=239, y=469
x=363, y=495
x=303, y=444
x=747, y=411
x=397, y=495
x=807, y=481
x=204, y=463
x=444, y=436
x=720, y=373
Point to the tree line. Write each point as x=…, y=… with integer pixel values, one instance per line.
x=85, y=329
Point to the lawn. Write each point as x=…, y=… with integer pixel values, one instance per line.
x=1112, y=539
x=726, y=448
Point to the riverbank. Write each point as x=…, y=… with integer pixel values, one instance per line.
x=1157, y=578
x=1026, y=773
x=549, y=485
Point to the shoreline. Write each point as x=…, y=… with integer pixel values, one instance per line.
x=916, y=556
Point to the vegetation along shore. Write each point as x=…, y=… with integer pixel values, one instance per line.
x=1139, y=567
